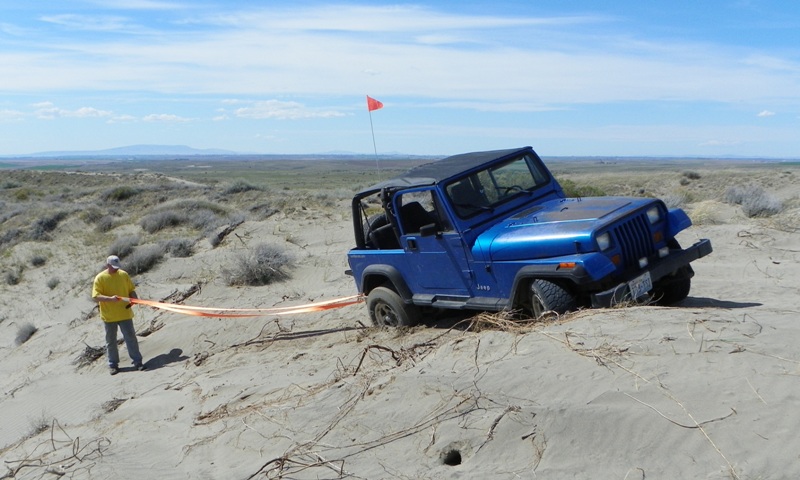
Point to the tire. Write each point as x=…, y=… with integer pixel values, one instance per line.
x=547, y=296
x=373, y=223
x=386, y=308
x=674, y=288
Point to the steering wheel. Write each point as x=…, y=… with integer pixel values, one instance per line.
x=507, y=190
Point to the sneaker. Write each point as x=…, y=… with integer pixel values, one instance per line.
x=113, y=370
x=140, y=367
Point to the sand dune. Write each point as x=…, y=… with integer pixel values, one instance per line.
x=705, y=389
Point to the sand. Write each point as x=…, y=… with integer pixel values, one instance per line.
x=705, y=389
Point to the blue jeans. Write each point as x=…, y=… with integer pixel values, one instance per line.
x=129, y=334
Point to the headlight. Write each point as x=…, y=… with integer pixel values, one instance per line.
x=604, y=241
x=654, y=215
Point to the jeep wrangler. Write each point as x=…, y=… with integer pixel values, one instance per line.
x=494, y=231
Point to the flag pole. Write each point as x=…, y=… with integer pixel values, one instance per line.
x=374, y=146
x=373, y=104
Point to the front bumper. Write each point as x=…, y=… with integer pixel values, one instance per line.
x=675, y=260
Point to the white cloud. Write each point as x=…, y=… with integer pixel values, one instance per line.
x=164, y=118
x=280, y=110
x=103, y=23
x=49, y=111
x=765, y=113
x=140, y=5
x=11, y=115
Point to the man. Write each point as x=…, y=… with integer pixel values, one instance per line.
x=109, y=286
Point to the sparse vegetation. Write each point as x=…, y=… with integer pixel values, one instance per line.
x=53, y=283
x=573, y=189
x=262, y=265
x=38, y=260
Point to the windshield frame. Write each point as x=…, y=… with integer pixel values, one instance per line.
x=488, y=188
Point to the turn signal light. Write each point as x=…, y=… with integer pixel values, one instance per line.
x=566, y=265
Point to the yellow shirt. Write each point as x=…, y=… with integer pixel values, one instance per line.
x=118, y=283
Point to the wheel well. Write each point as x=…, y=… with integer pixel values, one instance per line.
x=521, y=300
x=373, y=281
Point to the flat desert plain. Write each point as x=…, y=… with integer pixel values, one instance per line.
x=708, y=388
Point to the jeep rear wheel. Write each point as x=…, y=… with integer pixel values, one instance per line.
x=386, y=308
x=547, y=296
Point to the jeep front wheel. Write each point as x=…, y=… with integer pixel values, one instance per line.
x=547, y=296
x=386, y=308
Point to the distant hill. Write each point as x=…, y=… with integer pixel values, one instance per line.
x=138, y=150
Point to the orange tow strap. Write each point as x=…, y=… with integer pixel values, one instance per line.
x=248, y=312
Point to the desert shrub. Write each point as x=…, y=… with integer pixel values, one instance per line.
x=572, y=189
x=43, y=226
x=691, y=175
x=239, y=186
x=205, y=220
x=755, y=201
x=24, y=333
x=144, y=258
x=22, y=194
x=7, y=213
x=10, y=236
x=38, y=260
x=120, y=193
x=123, y=246
x=105, y=223
x=262, y=211
x=53, y=283
x=180, y=247
x=158, y=221
x=263, y=265
x=38, y=425
x=13, y=276
x=193, y=205
x=8, y=184
x=676, y=199
x=214, y=239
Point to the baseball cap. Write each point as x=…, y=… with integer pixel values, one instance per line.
x=113, y=260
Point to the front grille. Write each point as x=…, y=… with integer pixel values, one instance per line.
x=634, y=239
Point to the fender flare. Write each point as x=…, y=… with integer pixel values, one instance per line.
x=388, y=272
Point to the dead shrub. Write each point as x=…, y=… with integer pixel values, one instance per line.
x=754, y=200
x=180, y=247
x=123, y=246
x=117, y=194
x=24, y=333
x=144, y=258
x=262, y=265
x=41, y=228
x=158, y=221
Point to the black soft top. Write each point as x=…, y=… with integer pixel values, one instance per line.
x=446, y=168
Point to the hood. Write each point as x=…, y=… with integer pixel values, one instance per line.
x=554, y=228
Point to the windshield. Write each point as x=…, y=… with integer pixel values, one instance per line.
x=488, y=188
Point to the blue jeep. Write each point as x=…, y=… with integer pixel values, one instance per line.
x=494, y=231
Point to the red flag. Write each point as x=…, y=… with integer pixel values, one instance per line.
x=373, y=104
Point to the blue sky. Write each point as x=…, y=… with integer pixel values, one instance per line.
x=626, y=78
